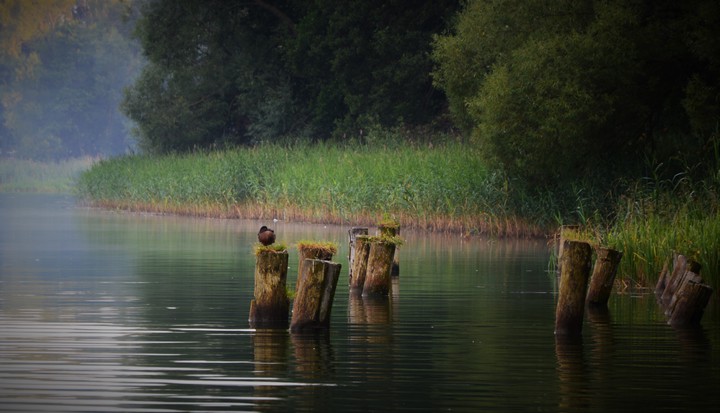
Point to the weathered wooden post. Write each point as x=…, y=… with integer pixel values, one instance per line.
x=603, y=275
x=575, y=264
x=315, y=294
x=353, y=233
x=313, y=250
x=358, y=268
x=561, y=242
x=391, y=229
x=271, y=304
x=379, y=266
x=692, y=299
x=692, y=273
x=673, y=280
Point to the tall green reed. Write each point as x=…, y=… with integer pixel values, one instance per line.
x=419, y=182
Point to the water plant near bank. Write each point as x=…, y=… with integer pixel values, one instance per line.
x=433, y=188
x=655, y=217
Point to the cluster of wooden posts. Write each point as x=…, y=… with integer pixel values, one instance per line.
x=681, y=292
x=575, y=261
x=372, y=260
x=680, y=289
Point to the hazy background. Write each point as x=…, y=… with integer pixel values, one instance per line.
x=63, y=67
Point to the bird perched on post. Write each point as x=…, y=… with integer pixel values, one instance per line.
x=266, y=236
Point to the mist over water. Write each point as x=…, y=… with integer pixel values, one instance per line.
x=107, y=311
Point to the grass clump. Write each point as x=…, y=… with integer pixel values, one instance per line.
x=259, y=248
x=319, y=249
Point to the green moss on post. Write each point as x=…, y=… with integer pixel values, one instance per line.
x=391, y=230
x=388, y=228
x=271, y=304
x=575, y=270
x=313, y=250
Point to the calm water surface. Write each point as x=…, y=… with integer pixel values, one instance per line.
x=106, y=311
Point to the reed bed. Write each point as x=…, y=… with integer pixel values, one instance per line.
x=22, y=175
x=676, y=216
x=445, y=188
x=655, y=218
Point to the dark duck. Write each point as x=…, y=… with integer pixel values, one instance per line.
x=266, y=236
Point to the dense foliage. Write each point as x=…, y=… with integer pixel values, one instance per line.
x=63, y=65
x=224, y=73
x=557, y=89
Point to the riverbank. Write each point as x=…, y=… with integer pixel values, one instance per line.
x=435, y=188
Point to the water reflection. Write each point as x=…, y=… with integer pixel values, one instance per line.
x=370, y=309
x=106, y=311
x=574, y=393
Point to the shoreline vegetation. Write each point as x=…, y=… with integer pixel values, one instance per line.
x=440, y=188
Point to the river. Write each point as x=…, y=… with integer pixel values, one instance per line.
x=112, y=311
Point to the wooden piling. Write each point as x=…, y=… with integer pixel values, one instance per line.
x=575, y=270
x=391, y=229
x=358, y=269
x=681, y=292
x=603, y=276
x=692, y=299
x=692, y=273
x=379, y=267
x=315, y=251
x=353, y=233
x=561, y=242
x=270, y=304
x=314, y=296
x=673, y=280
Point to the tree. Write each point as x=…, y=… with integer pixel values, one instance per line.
x=556, y=90
x=212, y=77
x=359, y=61
x=224, y=73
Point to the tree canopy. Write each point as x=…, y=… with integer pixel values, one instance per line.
x=231, y=73
x=553, y=90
